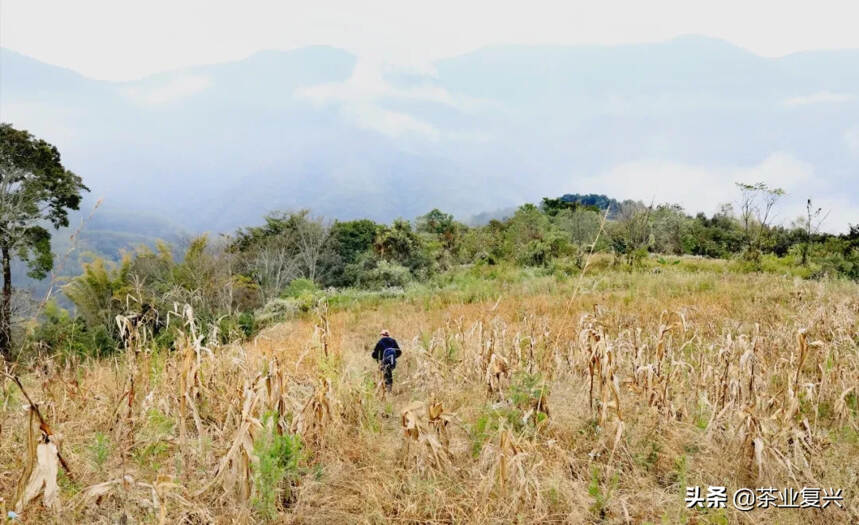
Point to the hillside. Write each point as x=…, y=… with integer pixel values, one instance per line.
x=519, y=397
x=93, y=232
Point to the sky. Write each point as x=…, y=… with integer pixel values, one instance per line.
x=122, y=40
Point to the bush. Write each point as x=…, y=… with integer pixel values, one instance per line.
x=299, y=287
x=276, y=470
x=247, y=323
x=564, y=268
x=276, y=310
x=58, y=331
x=835, y=264
x=385, y=275
x=236, y=327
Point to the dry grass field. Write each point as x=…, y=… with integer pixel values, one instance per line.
x=533, y=399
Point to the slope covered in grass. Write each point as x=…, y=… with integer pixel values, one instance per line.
x=520, y=397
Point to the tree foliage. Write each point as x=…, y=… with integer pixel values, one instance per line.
x=36, y=191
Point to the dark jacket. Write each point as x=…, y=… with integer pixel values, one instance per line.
x=384, y=343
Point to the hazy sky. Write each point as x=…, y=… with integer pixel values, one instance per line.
x=122, y=40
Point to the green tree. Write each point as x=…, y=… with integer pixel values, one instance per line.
x=397, y=242
x=552, y=207
x=810, y=224
x=532, y=237
x=348, y=242
x=352, y=238
x=443, y=226
x=670, y=229
x=289, y=246
x=581, y=225
x=631, y=233
x=444, y=236
x=400, y=244
x=756, y=211
x=35, y=190
x=527, y=224
x=98, y=295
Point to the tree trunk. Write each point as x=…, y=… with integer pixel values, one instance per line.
x=6, y=306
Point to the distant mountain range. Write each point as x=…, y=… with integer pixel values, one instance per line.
x=214, y=147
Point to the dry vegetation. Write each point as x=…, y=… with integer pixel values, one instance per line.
x=537, y=405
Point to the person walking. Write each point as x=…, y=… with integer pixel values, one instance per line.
x=386, y=352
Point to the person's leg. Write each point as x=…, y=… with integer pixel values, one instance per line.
x=389, y=378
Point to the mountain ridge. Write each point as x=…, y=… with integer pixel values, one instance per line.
x=215, y=146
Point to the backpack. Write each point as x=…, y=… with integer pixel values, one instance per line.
x=389, y=358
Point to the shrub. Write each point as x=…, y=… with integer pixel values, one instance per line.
x=299, y=287
x=276, y=469
x=100, y=450
x=276, y=310
x=236, y=327
x=386, y=275
x=58, y=331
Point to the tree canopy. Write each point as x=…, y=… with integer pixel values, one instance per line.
x=35, y=190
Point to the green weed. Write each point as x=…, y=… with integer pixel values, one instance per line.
x=277, y=468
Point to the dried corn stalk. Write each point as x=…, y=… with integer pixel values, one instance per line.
x=129, y=333
x=438, y=421
x=842, y=411
x=234, y=469
x=508, y=455
x=40, y=471
x=271, y=388
x=152, y=496
x=315, y=415
x=323, y=327
x=497, y=372
x=803, y=344
x=602, y=368
x=190, y=385
x=431, y=449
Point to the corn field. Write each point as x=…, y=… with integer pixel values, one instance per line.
x=598, y=400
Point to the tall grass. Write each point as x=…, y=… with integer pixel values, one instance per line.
x=517, y=399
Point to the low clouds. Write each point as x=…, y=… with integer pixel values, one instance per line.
x=174, y=89
x=361, y=99
x=821, y=97
x=705, y=188
x=841, y=212
x=367, y=114
x=698, y=188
